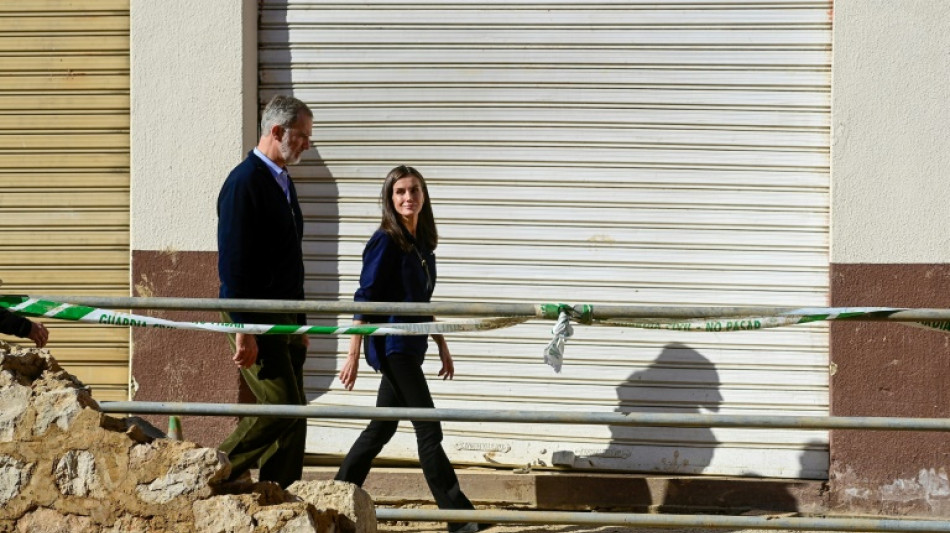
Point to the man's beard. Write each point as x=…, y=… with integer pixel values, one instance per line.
x=288, y=153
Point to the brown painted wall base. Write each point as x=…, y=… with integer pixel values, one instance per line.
x=183, y=366
x=890, y=370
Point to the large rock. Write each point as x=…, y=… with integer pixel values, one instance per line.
x=76, y=475
x=58, y=407
x=24, y=365
x=14, y=475
x=244, y=514
x=193, y=474
x=223, y=514
x=14, y=402
x=67, y=467
x=50, y=521
x=353, y=504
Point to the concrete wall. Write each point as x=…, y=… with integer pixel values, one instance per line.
x=890, y=246
x=194, y=109
x=890, y=148
x=194, y=114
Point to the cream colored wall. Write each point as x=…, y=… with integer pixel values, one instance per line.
x=890, y=166
x=194, y=109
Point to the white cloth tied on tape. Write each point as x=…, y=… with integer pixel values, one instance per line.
x=554, y=352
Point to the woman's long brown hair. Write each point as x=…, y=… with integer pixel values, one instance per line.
x=426, y=234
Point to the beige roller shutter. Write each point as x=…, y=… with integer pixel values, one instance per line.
x=64, y=170
x=616, y=152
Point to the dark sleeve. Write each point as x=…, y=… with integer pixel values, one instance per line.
x=12, y=324
x=236, y=258
x=379, y=265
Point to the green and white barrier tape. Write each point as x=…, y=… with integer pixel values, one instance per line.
x=553, y=352
x=798, y=316
x=78, y=313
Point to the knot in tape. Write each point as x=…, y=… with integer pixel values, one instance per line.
x=554, y=351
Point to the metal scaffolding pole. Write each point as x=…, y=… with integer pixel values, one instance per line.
x=473, y=309
x=602, y=312
x=536, y=417
x=305, y=306
x=657, y=520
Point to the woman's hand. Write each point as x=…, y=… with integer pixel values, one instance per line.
x=349, y=371
x=352, y=364
x=448, y=366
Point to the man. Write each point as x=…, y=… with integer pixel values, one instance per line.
x=12, y=324
x=260, y=230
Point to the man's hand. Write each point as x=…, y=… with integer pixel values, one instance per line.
x=39, y=334
x=246, y=350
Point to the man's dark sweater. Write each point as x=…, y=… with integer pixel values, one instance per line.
x=259, y=237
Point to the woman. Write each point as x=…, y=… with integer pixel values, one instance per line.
x=399, y=266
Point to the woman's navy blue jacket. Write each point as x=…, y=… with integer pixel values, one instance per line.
x=259, y=237
x=393, y=275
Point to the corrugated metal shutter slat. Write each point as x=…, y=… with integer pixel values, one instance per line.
x=612, y=152
x=64, y=170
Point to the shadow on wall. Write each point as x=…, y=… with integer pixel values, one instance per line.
x=682, y=381
x=319, y=200
x=316, y=189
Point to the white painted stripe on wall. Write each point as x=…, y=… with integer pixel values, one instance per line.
x=194, y=114
x=891, y=152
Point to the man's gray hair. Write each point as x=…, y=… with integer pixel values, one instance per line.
x=282, y=111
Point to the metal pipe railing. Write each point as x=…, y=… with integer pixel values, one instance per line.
x=612, y=418
x=475, y=309
x=659, y=520
x=603, y=312
x=535, y=417
x=304, y=306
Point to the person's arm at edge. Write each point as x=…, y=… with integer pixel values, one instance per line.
x=13, y=324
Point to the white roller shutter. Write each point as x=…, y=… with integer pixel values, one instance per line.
x=612, y=153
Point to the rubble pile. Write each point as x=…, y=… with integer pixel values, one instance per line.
x=67, y=467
